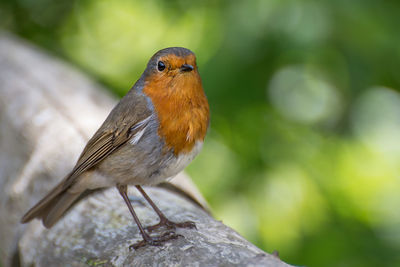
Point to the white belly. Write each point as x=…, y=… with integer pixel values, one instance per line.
x=177, y=164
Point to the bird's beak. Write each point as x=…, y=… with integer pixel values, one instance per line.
x=186, y=68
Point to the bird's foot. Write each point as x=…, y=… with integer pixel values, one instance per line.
x=156, y=240
x=164, y=222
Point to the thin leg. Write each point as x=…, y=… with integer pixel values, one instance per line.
x=163, y=219
x=147, y=239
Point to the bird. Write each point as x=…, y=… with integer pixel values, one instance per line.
x=151, y=135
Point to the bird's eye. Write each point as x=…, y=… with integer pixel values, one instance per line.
x=160, y=66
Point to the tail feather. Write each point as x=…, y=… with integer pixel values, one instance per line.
x=51, y=208
x=63, y=203
x=43, y=205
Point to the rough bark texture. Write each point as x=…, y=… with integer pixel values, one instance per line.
x=48, y=111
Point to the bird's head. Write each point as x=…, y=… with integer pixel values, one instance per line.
x=173, y=69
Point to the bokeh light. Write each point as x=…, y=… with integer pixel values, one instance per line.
x=376, y=120
x=301, y=95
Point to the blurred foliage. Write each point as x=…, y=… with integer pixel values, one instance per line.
x=304, y=150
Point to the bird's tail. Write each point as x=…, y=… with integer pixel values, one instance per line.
x=52, y=207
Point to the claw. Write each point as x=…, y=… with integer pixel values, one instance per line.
x=155, y=241
x=171, y=225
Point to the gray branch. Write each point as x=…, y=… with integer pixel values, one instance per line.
x=48, y=110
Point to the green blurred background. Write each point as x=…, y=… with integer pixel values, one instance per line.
x=303, y=152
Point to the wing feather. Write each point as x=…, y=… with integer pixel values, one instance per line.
x=103, y=144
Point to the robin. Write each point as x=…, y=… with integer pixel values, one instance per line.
x=152, y=134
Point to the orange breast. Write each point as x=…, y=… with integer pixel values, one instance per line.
x=182, y=109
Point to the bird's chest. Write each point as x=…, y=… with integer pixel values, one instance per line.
x=181, y=131
x=182, y=111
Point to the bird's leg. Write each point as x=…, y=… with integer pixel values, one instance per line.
x=163, y=219
x=147, y=239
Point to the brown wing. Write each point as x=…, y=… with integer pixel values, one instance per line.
x=129, y=117
x=100, y=146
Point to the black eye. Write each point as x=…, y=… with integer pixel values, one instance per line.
x=160, y=66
